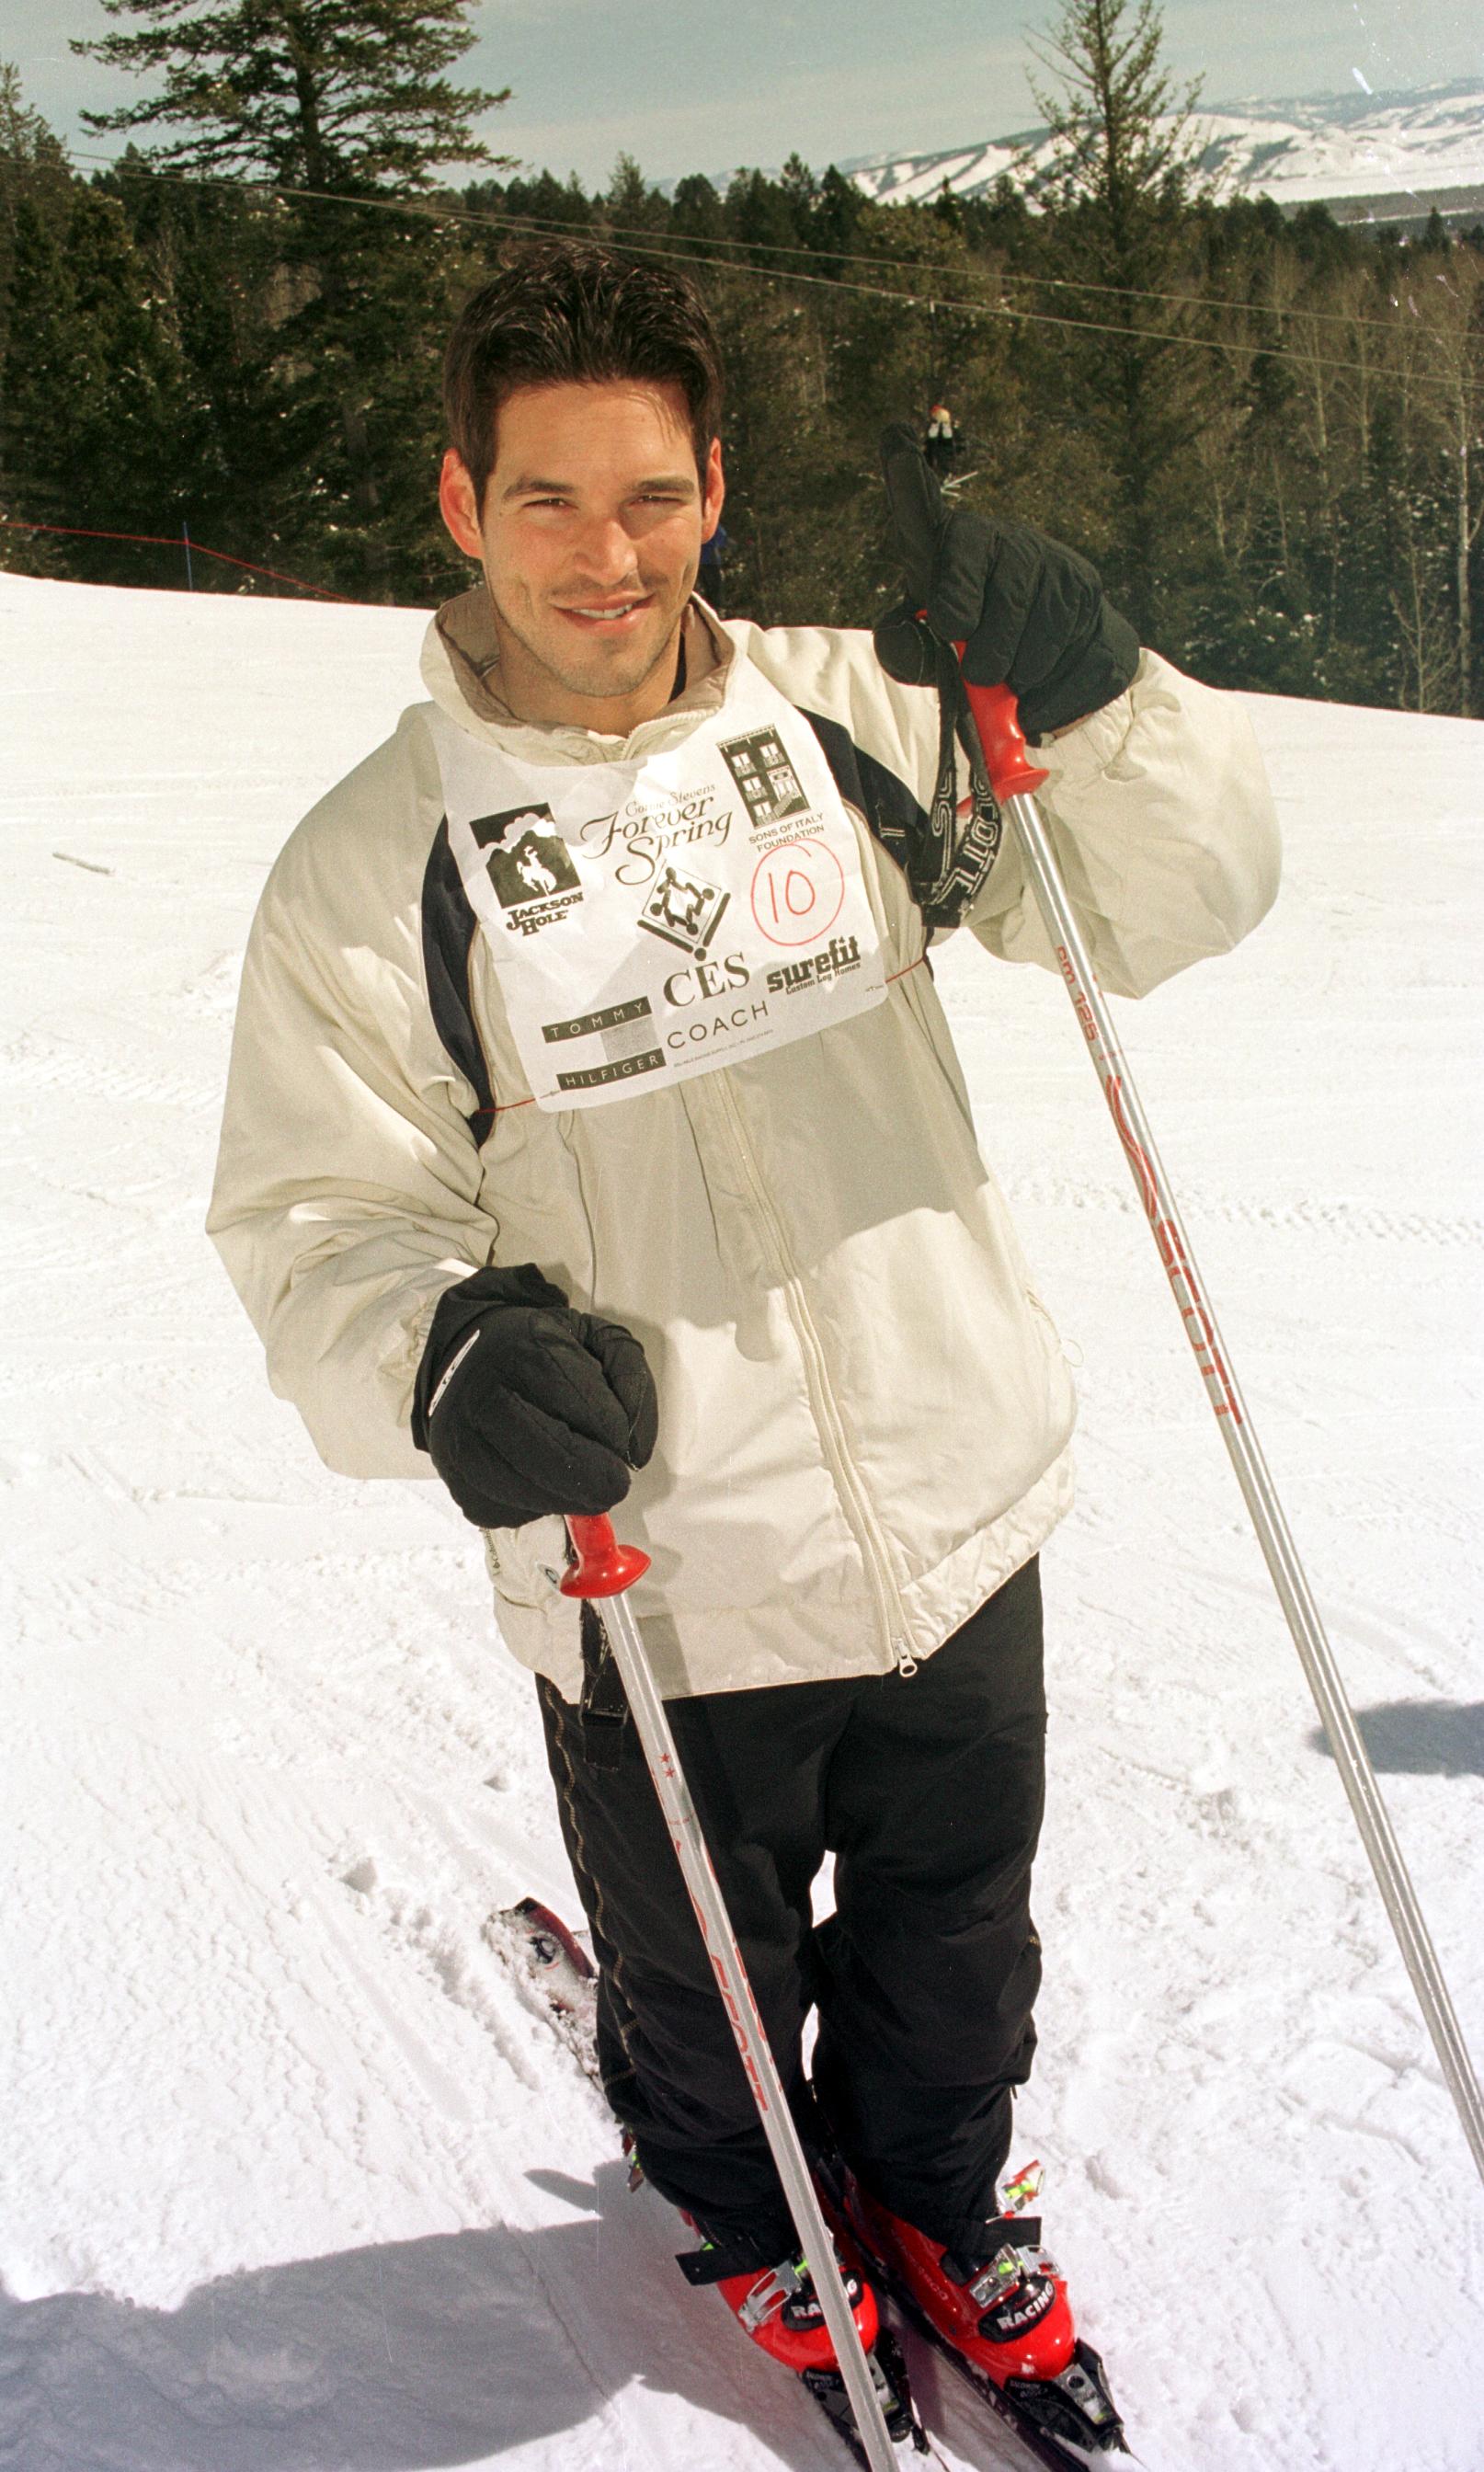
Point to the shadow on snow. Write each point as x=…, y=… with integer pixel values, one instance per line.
x=1420, y=1737
x=444, y=2350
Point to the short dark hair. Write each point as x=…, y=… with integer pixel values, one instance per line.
x=565, y=313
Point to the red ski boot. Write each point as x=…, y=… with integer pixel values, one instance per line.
x=997, y=2307
x=997, y=2298
x=780, y=2309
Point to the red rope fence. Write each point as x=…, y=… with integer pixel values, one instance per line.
x=194, y=549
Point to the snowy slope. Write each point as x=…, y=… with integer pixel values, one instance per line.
x=294, y=2178
x=1334, y=146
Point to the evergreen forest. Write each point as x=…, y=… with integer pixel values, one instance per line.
x=1266, y=431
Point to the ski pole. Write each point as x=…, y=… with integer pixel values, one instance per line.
x=605, y=1569
x=1015, y=779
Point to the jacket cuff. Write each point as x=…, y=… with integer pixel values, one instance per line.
x=1077, y=756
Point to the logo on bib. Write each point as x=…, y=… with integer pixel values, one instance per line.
x=529, y=868
x=626, y=1034
x=759, y=764
x=842, y=953
x=685, y=910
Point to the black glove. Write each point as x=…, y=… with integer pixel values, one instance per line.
x=527, y=1408
x=1029, y=613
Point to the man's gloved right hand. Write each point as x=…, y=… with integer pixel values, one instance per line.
x=527, y=1408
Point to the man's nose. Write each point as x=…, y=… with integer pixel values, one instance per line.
x=607, y=553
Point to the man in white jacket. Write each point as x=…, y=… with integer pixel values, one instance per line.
x=594, y=1133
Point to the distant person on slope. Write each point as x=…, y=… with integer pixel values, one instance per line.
x=594, y=1135
x=710, y=578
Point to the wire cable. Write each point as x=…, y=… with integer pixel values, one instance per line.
x=927, y=298
x=638, y=240
x=178, y=540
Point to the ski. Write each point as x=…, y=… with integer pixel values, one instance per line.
x=1082, y=2379
x=888, y=2371
x=552, y=1961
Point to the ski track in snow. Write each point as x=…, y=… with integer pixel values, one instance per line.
x=297, y=2176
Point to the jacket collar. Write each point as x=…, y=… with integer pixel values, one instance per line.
x=460, y=671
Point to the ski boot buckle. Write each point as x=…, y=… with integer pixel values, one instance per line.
x=998, y=2279
x=771, y=2291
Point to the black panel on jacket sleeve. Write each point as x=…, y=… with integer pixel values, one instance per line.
x=894, y=815
x=449, y=927
x=947, y=854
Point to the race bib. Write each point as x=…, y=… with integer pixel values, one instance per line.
x=662, y=917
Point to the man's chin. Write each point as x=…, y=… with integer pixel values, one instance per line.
x=603, y=675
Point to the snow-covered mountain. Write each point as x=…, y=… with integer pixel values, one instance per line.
x=1367, y=149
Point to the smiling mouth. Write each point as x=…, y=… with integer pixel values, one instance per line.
x=607, y=614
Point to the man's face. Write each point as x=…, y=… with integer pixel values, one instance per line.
x=589, y=536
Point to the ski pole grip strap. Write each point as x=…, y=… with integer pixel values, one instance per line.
x=604, y=1707
x=998, y=721
x=603, y=1567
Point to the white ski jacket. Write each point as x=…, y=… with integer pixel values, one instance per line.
x=864, y=1411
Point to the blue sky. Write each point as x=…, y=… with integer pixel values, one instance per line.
x=706, y=85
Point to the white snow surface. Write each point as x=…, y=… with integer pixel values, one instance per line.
x=298, y=2180
x=1418, y=145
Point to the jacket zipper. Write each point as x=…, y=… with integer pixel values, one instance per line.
x=858, y=1512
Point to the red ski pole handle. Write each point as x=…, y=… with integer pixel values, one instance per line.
x=1006, y=757
x=603, y=1567
x=997, y=717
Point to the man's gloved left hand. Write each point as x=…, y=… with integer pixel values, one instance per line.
x=1029, y=613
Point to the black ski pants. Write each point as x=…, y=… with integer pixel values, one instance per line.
x=927, y=1788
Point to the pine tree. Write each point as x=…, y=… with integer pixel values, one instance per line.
x=759, y=212
x=343, y=104
x=545, y=200
x=695, y=211
x=32, y=168
x=32, y=160
x=41, y=373
x=93, y=382
x=630, y=207
x=1125, y=140
x=838, y=210
x=1124, y=177
x=341, y=95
